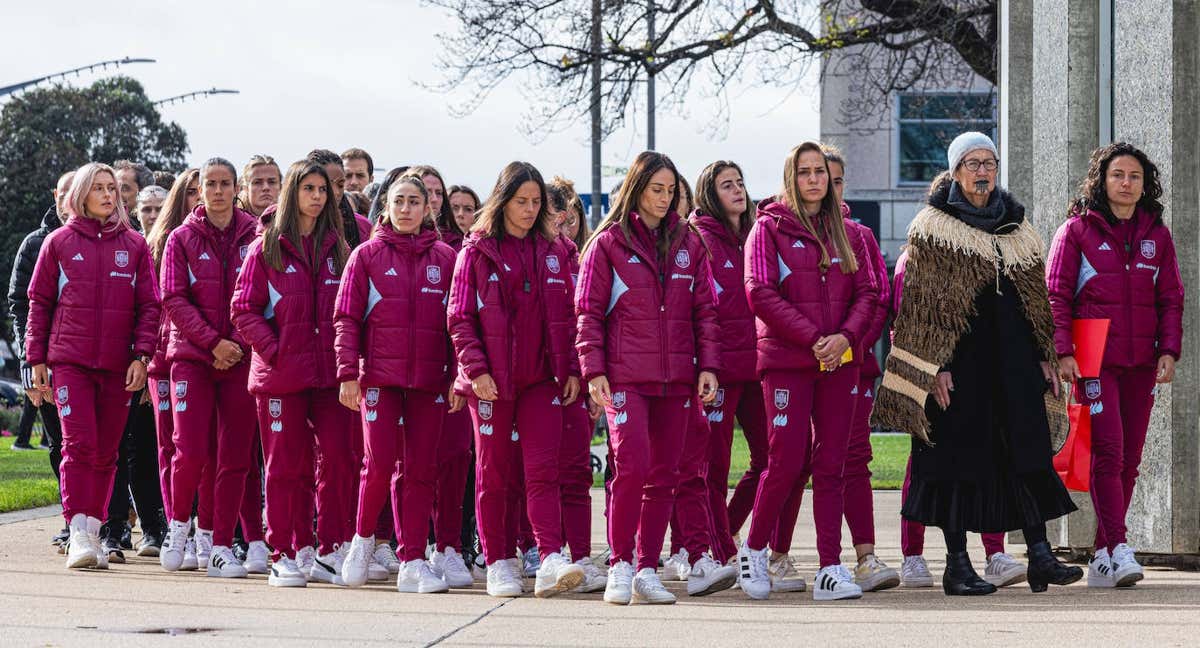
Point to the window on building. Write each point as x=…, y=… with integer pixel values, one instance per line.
x=929, y=122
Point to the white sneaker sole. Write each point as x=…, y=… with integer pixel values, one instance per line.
x=617, y=598
x=884, y=580
x=637, y=599
x=1008, y=578
x=568, y=579
x=405, y=587
x=281, y=581
x=1128, y=580
x=791, y=588
x=505, y=593
x=718, y=584
x=1104, y=582
x=599, y=586
x=215, y=572
x=260, y=568
x=916, y=583
x=826, y=595
x=82, y=561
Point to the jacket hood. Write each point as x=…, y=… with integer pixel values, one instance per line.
x=51, y=220
x=422, y=240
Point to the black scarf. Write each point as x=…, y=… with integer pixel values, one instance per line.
x=1002, y=213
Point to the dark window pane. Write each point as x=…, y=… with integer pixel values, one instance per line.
x=923, y=146
x=946, y=106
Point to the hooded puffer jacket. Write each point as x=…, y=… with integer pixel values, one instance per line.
x=199, y=268
x=92, y=298
x=796, y=302
x=642, y=320
x=733, y=311
x=870, y=364
x=482, y=324
x=1092, y=274
x=286, y=316
x=390, y=319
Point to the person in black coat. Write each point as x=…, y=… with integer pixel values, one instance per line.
x=18, y=310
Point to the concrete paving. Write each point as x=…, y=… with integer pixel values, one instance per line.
x=138, y=604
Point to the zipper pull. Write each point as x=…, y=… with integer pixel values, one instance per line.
x=662, y=308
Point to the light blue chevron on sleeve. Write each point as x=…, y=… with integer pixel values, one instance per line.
x=478, y=302
x=784, y=271
x=274, y=298
x=717, y=286
x=191, y=277
x=618, y=288
x=1086, y=273
x=62, y=279
x=373, y=297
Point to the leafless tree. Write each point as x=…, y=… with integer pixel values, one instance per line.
x=702, y=46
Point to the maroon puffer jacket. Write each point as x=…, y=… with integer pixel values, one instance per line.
x=481, y=322
x=1090, y=275
x=286, y=316
x=870, y=364
x=452, y=238
x=733, y=311
x=390, y=318
x=92, y=298
x=642, y=323
x=199, y=268
x=794, y=301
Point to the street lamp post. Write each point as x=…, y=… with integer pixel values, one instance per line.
x=7, y=90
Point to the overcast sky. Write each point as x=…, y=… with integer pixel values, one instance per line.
x=312, y=77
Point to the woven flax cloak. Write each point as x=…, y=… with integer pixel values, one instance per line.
x=949, y=262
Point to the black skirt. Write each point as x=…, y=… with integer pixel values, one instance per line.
x=990, y=466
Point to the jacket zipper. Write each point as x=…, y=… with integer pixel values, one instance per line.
x=99, y=298
x=412, y=301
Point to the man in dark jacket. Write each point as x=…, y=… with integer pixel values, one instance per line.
x=18, y=304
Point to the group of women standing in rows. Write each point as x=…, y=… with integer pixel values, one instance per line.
x=396, y=344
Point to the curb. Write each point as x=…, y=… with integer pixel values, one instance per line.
x=13, y=517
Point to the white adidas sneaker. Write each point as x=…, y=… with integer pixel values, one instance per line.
x=708, y=576
x=1126, y=569
x=556, y=574
x=450, y=567
x=257, y=556
x=834, y=583
x=80, y=553
x=286, y=573
x=416, y=577
x=174, y=546
x=1100, y=571
x=677, y=567
x=619, y=589
x=222, y=564
x=358, y=558
x=753, y=576
x=502, y=582
x=649, y=590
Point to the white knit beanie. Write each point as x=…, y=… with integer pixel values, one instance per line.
x=965, y=143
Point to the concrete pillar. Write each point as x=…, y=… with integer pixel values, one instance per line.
x=1016, y=99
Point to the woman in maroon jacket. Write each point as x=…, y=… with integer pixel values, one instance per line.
x=283, y=307
x=510, y=320
x=208, y=369
x=723, y=217
x=1114, y=259
x=648, y=345
x=93, y=275
x=393, y=354
x=809, y=284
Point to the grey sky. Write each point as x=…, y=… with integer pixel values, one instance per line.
x=312, y=77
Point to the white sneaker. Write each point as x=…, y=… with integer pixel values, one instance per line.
x=450, y=567
x=1126, y=569
x=306, y=557
x=677, y=567
x=502, y=582
x=834, y=583
x=873, y=576
x=915, y=573
x=384, y=563
x=753, y=575
x=1100, y=570
x=647, y=589
x=204, y=546
x=1003, y=570
x=530, y=562
x=257, y=555
x=518, y=571
x=417, y=578
x=358, y=558
x=594, y=580
x=190, y=562
x=80, y=553
x=174, y=545
x=619, y=589
x=222, y=564
x=286, y=573
x=784, y=576
x=93, y=531
x=328, y=568
x=709, y=576
x=556, y=574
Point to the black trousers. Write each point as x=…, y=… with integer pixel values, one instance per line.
x=137, y=471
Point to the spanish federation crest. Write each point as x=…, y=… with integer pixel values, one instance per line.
x=1149, y=249
x=121, y=257
x=552, y=263
x=180, y=388
x=372, y=396
x=618, y=399
x=62, y=395
x=164, y=388
x=719, y=401
x=275, y=407
x=433, y=274
x=1092, y=389
x=683, y=259
x=781, y=398
x=485, y=410
x=243, y=250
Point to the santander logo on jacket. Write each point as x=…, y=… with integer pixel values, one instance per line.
x=482, y=313
x=1091, y=275
x=390, y=317
x=92, y=298
x=643, y=321
x=796, y=302
x=286, y=316
x=733, y=311
x=199, y=268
